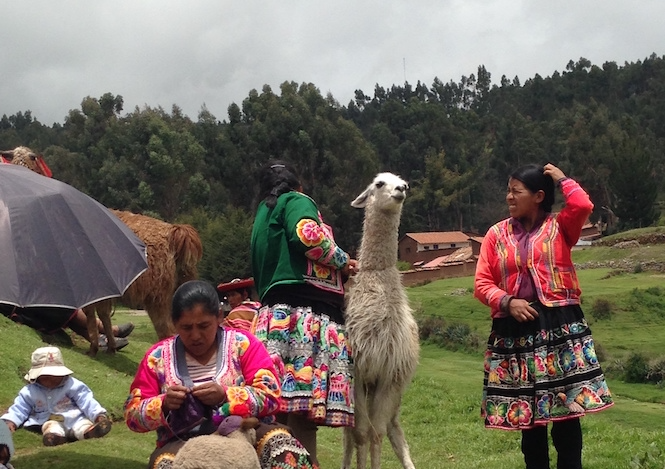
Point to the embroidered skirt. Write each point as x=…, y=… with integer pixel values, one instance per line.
x=542, y=370
x=312, y=358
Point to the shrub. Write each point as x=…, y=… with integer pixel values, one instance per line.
x=656, y=373
x=403, y=266
x=430, y=327
x=636, y=369
x=600, y=352
x=638, y=268
x=601, y=309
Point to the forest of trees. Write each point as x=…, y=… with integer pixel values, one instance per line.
x=455, y=143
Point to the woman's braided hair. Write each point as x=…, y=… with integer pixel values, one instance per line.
x=277, y=178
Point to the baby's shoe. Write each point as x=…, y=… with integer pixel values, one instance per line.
x=101, y=427
x=53, y=439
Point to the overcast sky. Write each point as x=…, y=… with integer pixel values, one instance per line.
x=213, y=52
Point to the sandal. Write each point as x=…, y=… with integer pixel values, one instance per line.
x=53, y=439
x=99, y=429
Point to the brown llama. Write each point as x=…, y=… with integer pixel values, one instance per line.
x=173, y=253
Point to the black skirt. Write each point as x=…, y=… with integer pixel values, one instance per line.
x=542, y=370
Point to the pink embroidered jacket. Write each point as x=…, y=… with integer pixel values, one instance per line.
x=245, y=371
x=499, y=271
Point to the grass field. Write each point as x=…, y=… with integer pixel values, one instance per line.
x=440, y=412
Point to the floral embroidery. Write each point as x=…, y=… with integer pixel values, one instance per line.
x=519, y=413
x=321, y=271
x=309, y=232
x=567, y=360
x=544, y=406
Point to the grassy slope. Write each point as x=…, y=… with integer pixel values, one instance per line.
x=440, y=411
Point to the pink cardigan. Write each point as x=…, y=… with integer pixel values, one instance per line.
x=245, y=371
x=549, y=262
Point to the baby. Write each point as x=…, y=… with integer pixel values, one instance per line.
x=55, y=403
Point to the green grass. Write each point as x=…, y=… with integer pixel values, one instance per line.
x=440, y=412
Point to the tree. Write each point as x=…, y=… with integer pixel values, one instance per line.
x=634, y=185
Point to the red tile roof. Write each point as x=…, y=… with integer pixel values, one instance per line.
x=439, y=237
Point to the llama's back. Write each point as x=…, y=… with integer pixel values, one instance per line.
x=381, y=329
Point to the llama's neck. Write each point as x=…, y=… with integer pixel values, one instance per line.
x=378, y=248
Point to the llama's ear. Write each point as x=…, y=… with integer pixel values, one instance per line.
x=361, y=200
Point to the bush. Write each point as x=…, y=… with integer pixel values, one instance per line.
x=656, y=373
x=403, y=266
x=601, y=309
x=430, y=327
x=638, y=268
x=600, y=352
x=636, y=369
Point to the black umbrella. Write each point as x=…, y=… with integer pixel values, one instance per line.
x=58, y=246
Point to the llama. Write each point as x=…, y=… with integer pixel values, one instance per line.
x=24, y=156
x=231, y=446
x=103, y=309
x=381, y=330
x=173, y=252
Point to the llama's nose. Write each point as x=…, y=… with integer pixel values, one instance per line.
x=402, y=188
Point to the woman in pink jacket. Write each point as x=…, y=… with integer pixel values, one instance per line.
x=540, y=363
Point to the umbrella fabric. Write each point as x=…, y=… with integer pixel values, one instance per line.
x=58, y=246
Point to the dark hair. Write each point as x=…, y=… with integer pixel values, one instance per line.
x=532, y=177
x=276, y=178
x=192, y=293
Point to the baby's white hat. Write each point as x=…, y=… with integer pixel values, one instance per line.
x=47, y=361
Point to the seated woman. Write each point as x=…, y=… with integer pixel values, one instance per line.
x=186, y=384
x=243, y=310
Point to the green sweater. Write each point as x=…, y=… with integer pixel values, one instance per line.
x=291, y=245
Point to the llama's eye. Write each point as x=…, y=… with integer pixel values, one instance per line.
x=380, y=184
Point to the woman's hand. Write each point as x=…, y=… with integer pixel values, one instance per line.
x=552, y=171
x=351, y=268
x=521, y=311
x=210, y=393
x=175, y=396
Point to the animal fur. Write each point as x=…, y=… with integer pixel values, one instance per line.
x=381, y=330
x=24, y=156
x=236, y=450
x=104, y=310
x=173, y=252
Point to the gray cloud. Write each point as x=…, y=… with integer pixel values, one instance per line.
x=160, y=53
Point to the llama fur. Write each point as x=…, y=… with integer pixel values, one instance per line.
x=24, y=156
x=234, y=450
x=103, y=309
x=173, y=252
x=381, y=330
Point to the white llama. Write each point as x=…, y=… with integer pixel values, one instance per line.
x=381, y=329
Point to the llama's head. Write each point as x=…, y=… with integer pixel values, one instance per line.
x=24, y=156
x=386, y=192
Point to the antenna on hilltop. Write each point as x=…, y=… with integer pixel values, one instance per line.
x=404, y=65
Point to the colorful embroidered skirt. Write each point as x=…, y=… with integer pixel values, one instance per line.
x=541, y=370
x=312, y=358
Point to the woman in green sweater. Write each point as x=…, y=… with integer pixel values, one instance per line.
x=299, y=272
